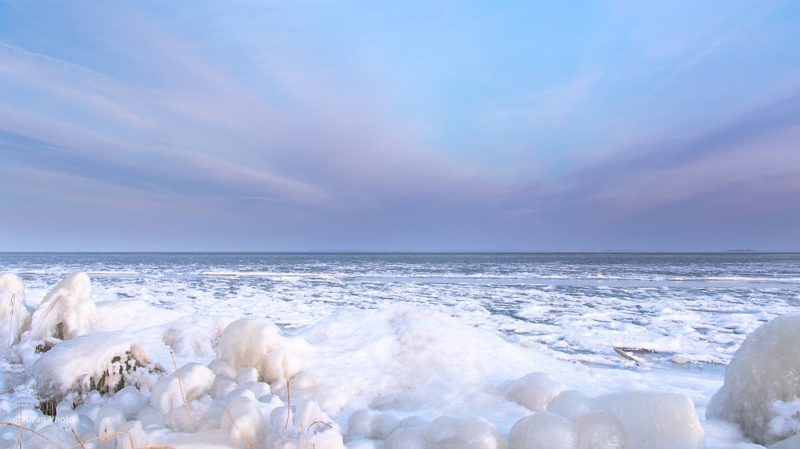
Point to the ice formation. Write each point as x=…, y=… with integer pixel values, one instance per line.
x=654, y=420
x=104, y=361
x=66, y=312
x=396, y=378
x=248, y=343
x=535, y=391
x=761, y=379
x=14, y=315
x=542, y=431
x=624, y=420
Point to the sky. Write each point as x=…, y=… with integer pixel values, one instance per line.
x=404, y=126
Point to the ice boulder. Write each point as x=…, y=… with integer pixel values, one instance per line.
x=187, y=384
x=650, y=420
x=600, y=430
x=369, y=423
x=14, y=317
x=762, y=377
x=243, y=421
x=209, y=439
x=405, y=438
x=535, y=391
x=542, y=431
x=462, y=432
x=258, y=344
x=570, y=404
x=103, y=361
x=67, y=311
x=316, y=428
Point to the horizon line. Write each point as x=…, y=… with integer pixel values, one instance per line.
x=449, y=251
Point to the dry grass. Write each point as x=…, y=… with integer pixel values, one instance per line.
x=180, y=382
x=249, y=444
x=288, y=402
x=11, y=322
x=81, y=443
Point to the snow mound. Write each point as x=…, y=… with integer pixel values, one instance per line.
x=13, y=314
x=405, y=358
x=103, y=361
x=249, y=343
x=67, y=311
x=761, y=379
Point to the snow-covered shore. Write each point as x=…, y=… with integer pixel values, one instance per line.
x=404, y=376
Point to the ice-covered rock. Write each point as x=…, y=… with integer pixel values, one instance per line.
x=210, y=439
x=535, y=391
x=222, y=367
x=625, y=420
x=14, y=316
x=130, y=400
x=654, y=420
x=67, y=311
x=105, y=361
x=462, y=432
x=188, y=383
x=600, y=430
x=762, y=377
x=243, y=421
x=222, y=386
x=570, y=404
x=49, y=437
x=369, y=423
x=246, y=375
x=248, y=343
x=316, y=428
x=405, y=438
x=109, y=420
x=542, y=431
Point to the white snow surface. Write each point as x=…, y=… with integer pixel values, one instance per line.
x=260, y=371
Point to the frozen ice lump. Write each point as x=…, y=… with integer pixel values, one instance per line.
x=762, y=383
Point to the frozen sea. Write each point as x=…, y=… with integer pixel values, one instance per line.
x=682, y=316
x=694, y=308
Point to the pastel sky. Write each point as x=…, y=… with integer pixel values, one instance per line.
x=412, y=125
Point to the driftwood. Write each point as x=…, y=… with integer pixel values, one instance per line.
x=622, y=353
